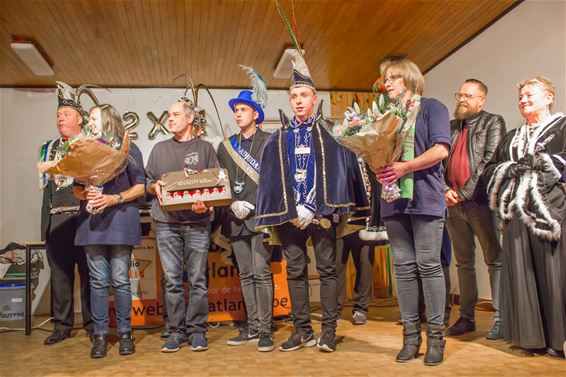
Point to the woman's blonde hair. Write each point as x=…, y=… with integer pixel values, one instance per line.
x=409, y=71
x=111, y=121
x=544, y=83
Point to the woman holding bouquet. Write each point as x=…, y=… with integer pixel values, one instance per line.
x=415, y=221
x=108, y=230
x=526, y=186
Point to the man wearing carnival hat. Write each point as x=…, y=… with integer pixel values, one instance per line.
x=307, y=183
x=240, y=155
x=59, y=213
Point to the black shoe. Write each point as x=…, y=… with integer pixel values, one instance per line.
x=296, y=341
x=411, y=342
x=127, y=346
x=99, y=346
x=327, y=341
x=462, y=326
x=266, y=343
x=494, y=332
x=57, y=336
x=435, y=344
x=245, y=336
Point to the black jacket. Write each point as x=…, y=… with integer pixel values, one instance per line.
x=53, y=198
x=232, y=226
x=485, y=131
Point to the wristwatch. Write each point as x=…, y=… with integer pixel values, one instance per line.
x=120, y=198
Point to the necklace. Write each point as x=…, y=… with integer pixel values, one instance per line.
x=239, y=185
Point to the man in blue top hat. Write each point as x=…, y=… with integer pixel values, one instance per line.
x=307, y=183
x=240, y=155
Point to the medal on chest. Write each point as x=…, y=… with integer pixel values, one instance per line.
x=300, y=175
x=239, y=187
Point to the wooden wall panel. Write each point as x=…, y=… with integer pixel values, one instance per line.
x=339, y=101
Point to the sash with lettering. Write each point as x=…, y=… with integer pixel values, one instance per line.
x=249, y=165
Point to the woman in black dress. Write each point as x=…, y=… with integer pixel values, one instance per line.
x=526, y=186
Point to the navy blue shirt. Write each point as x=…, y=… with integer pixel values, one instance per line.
x=432, y=127
x=118, y=224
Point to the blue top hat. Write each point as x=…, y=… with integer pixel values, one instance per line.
x=245, y=97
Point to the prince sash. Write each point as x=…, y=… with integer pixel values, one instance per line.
x=249, y=165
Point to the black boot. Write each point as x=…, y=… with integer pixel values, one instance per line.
x=126, y=343
x=99, y=345
x=434, y=344
x=411, y=342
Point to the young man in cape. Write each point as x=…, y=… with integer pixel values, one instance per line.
x=307, y=182
x=59, y=214
x=240, y=154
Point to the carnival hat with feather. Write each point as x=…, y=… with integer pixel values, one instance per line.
x=255, y=98
x=301, y=76
x=69, y=97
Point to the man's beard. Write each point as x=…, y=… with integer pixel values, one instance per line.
x=462, y=113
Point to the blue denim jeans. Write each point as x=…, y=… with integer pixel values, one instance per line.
x=185, y=244
x=465, y=221
x=416, y=241
x=110, y=265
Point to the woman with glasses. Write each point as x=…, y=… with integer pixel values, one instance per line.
x=526, y=186
x=415, y=222
x=109, y=234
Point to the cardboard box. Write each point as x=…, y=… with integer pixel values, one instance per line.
x=183, y=188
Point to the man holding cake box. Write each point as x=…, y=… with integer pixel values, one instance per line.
x=182, y=236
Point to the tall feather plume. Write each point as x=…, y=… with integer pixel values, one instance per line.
x=288, y=26
x=259, y=88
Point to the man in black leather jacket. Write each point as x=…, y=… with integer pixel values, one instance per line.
x=475, y=136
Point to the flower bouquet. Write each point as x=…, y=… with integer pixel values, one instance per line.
x=380, y=136
x=92, y=159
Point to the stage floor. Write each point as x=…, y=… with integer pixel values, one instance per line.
x=367, y=350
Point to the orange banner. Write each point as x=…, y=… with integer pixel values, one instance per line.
x=225, y=300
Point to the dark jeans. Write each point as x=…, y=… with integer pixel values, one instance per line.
x=416, y=241
x=110, y=265
x=254, y=266
x=466, y=220
x=63, y=255
x=363, y=256
x=293, y=242
x=185, y=244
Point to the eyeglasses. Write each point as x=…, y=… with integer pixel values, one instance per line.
x=391, y=78
x=464, y=96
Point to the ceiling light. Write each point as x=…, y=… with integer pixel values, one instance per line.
x=284, y=68
x=33, y=58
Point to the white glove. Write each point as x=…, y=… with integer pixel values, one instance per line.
x=305, y=216
x=241, y=209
